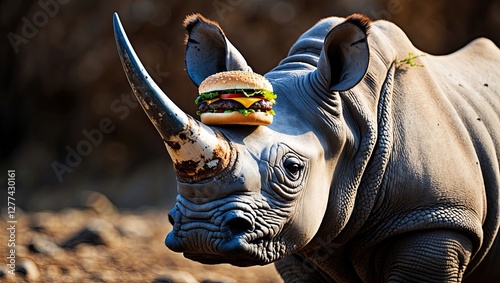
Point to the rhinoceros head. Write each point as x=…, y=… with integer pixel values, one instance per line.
x=253, y=194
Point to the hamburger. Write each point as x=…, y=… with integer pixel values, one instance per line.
x=236, y=97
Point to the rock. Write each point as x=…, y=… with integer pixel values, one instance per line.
x=97, y=232
x=86, y=235
x=214, y=277
x=133, y=227
x=74, y=219
x=40, y=221
x=96, y=278
x=176, y=277
x=99, y=203
x=28, y=268
x=3, y=271
x=6, y=276
x=53, y=271
x=43, y=244
x=221, y=279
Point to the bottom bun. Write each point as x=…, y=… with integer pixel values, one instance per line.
x=236, y=118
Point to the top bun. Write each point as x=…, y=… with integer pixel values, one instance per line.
x=234, y=80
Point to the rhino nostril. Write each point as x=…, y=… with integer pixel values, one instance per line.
x=239, y=226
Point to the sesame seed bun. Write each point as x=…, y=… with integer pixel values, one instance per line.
x=234, y=80
x=236, y=118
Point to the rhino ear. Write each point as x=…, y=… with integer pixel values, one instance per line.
x=208, y=51
x=344, y=59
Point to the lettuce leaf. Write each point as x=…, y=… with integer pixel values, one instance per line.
x=269, y=95
x=206, y=96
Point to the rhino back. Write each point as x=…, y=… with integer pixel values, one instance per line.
x=478, y=103
x=444, y=166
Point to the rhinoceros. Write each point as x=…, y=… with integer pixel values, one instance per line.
x=378, y=166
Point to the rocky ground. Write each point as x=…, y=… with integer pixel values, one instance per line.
x=98, y=243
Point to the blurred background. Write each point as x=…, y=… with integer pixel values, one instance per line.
x=70, y=124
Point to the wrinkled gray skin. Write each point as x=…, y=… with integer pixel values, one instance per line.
x=372, y=170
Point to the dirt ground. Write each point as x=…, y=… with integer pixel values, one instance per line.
x=99, y=244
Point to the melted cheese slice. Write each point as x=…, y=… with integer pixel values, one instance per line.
x=245, y=101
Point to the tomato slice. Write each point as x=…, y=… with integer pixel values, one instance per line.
x=231, y=95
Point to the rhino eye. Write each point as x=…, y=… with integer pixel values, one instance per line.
x=288, y=170
x=293, y=167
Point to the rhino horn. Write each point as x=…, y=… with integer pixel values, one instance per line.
x=198, y=152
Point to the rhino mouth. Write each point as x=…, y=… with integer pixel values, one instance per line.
x=238, y=232
x=237, y=251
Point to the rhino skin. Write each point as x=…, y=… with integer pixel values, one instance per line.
x=372, y=171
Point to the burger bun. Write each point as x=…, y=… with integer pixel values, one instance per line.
x=237, y=118
x=234, y=80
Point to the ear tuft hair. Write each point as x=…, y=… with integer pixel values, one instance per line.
x=361, y=21
x=192, y=20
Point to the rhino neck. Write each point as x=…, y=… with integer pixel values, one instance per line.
x=370, y=106
x=367, y=115
x=370, y=183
